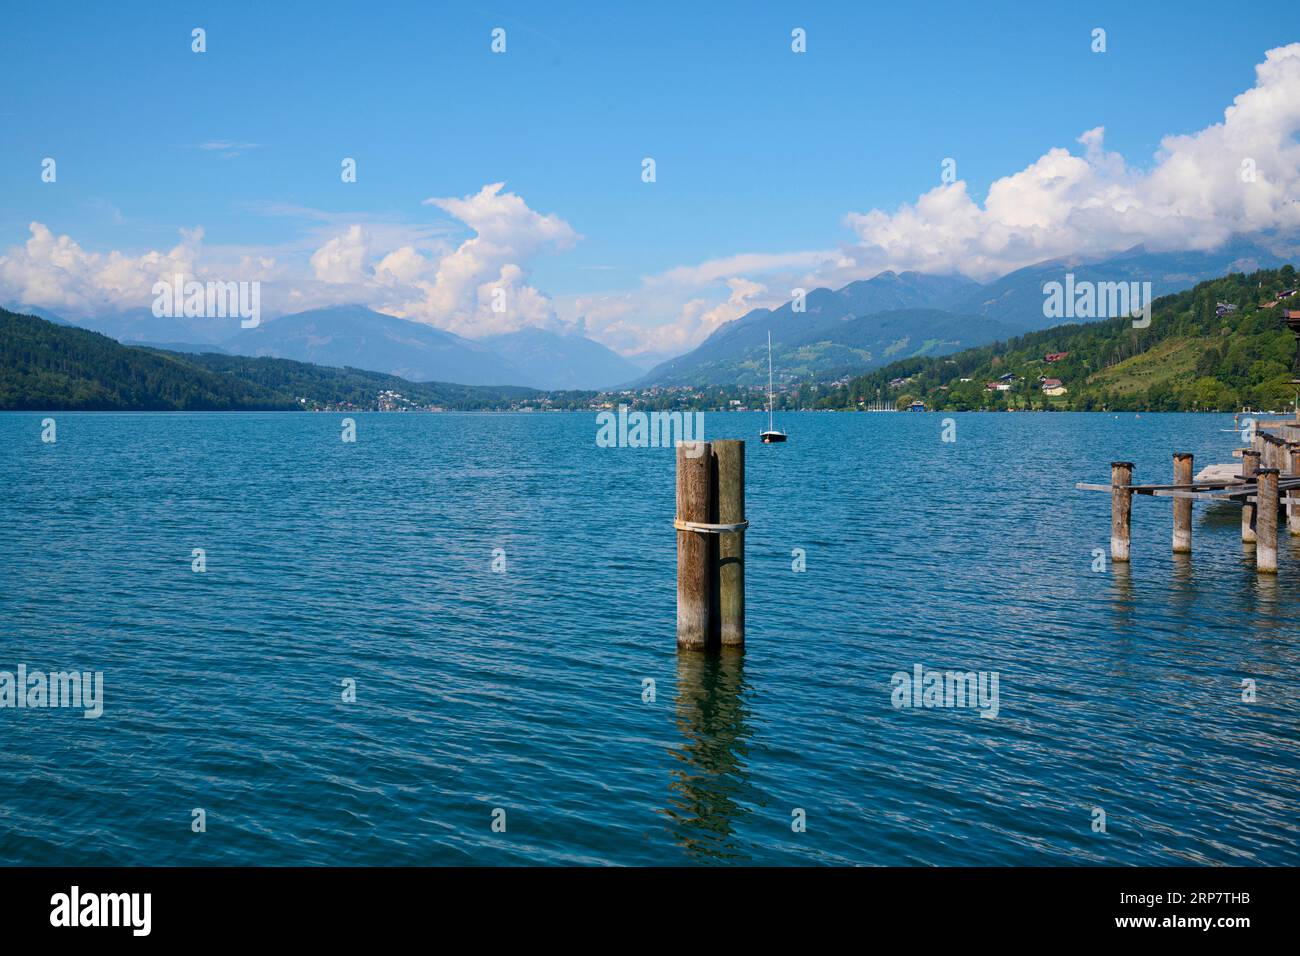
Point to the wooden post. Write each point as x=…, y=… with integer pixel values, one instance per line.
x=694, y=491
x=1293, y=497
x=729, y=467
x=1182, y=506
x=1266, y=522
x=1274, y=450
x=1249, y=462
x=1121, y=505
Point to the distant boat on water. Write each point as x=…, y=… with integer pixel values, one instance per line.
x=772, y=434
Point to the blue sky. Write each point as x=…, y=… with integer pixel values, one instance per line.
x=758, y=150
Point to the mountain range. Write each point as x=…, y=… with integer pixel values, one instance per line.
x=354, y=336
x=836, y=333
x=872, y=322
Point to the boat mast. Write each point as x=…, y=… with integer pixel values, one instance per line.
x=769, y=381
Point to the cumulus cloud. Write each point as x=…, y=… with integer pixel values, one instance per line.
x=343, y=259
x=465, y=285
x=1238, y=176
x=478, y=288
x=701, y=317
x=54, y=271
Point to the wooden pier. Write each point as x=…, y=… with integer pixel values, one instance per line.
x=1265, y=483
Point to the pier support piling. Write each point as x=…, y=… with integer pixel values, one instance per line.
x=729, y=469
x=710, y=545
x=1266, y=521
x=1121, y=508
x=1249, y=464
x=694, y=491
x=1182, y=506
x=1293, y=497
x=1275, y=453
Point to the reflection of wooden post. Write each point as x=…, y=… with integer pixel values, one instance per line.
x=1293, y=497
x=1182, y=506
x=708, y=785
x=1266, y=521
x=1249, y=462
x=729, y=466
x=694, y=462
x=1121, y=505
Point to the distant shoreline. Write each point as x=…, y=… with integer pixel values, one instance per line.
x=592, y=411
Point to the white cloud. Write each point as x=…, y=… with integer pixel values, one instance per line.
x=506, y=234
x=458, y=289
x=55, y=272
x=1193, y=197
x=343, y=258
x=229, y=149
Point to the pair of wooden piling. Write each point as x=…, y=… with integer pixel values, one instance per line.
x=1264, y=463
x=1293, y=496
x=710, y=544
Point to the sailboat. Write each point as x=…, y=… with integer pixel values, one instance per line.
x=772, y=434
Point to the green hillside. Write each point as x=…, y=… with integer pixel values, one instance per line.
x=1188, y=359
x=351, y=386
x=48, y=367
x=51, y=367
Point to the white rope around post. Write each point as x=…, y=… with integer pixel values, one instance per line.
x=703, y=528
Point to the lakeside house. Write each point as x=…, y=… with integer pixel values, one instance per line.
x=917, y=406
x=1054, y=356
x=1053, y=386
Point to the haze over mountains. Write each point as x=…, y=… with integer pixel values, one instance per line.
x=850, y=330
x=354, y=336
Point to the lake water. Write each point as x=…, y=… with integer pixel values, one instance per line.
x=522, y=690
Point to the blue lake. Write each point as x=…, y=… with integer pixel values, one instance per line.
x=326, y=562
